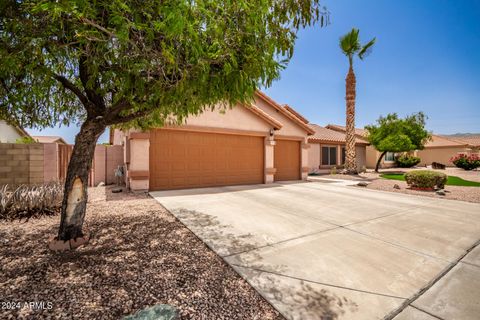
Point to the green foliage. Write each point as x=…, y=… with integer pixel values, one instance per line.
x=451, y=180
x=25, y=140
x=27, y=201
x=142, y=63
x=351, y=46
x=406, y=161
x=426, y=179
x=393, y=134
x=466, y=162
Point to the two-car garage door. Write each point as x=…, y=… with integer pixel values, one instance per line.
x=186, y=159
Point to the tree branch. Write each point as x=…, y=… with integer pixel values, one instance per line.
x=74, y=89
x=130, y=117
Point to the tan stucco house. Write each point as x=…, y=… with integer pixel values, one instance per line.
x=261, y=143
x=49, y=139
x=10, y=133
x=327, y=150
x=439, y=149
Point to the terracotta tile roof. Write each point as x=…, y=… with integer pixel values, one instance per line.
x=49, y=139
x=439, y=141
x=295, y=113
x=473, y=140
x=323, y=134
x=285, y=112
x=358, y=131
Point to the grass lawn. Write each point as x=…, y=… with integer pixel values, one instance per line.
x=451, y=181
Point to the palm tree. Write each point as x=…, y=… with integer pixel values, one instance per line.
x=350, y=45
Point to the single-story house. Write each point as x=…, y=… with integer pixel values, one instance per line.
x=327, y=150
x=439, y=149
x=473, y=141
x=49, y=139
x=10, y=133
x=260, y=143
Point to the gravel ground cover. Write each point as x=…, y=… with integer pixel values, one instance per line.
x=139, y=255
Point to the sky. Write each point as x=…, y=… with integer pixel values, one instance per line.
x=426, y=58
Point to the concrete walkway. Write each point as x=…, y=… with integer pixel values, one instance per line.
x=324, y=251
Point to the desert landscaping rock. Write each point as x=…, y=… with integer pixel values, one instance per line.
x=157, y=312
x=138, y=256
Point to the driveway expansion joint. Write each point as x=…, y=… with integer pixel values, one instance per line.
x=273, y=244
x=320, y=283
x=424, y=311
x=411, y=300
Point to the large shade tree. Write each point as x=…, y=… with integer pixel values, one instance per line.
x=351, y=47
x=136, y=63
x=394, y=134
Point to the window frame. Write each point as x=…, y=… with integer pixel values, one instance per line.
x=392, y=156
x=329, y=148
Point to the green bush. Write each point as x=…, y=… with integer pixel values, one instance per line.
x=426, y=179
x=28, y=201
x=406, y=161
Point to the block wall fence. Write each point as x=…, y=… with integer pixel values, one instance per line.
x=44, y=162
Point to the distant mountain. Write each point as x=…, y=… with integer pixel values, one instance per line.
x=461, y=135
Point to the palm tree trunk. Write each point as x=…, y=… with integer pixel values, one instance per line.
x=75, y=192
x=350, y=158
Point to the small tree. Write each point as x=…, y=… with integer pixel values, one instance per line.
x=392, y=134
x=136, y=63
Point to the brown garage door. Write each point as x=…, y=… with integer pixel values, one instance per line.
x=287, y=160
x=184, y=159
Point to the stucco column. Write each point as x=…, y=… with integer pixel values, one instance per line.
x=138, y=173
x=304, y=159
x=269, y=166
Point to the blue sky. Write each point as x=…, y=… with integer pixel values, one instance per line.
x=426, y=59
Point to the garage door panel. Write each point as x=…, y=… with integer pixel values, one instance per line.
x=287, y=160
x=183, y=159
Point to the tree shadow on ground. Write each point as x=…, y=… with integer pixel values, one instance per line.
x=139, y=255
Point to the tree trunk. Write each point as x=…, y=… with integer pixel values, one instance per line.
x=380, y=160
x=350, y=157
x=75, y=191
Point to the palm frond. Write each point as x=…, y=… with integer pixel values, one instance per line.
x=350, y=43
x=366, y=49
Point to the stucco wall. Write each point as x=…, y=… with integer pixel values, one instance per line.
x=237, y=118
x=372, y=157
x=441, y=155
x=289, y=128
x=8, y=134
x=361, y=152
x=313, y=157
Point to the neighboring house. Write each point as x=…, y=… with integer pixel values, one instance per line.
x=473, y=141
x=438, y=149
x=261, y=143
x=327, y=149
x=49, y=139
x=10, y=133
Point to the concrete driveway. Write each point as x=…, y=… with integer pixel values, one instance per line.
x=323, y=251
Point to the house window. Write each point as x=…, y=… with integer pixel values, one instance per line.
x=329, y=156
x=390, y=156
x=343, y=155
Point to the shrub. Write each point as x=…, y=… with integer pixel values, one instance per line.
x=466, y=162
x=426, y=179
x=406, y=161
x=29, y=201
